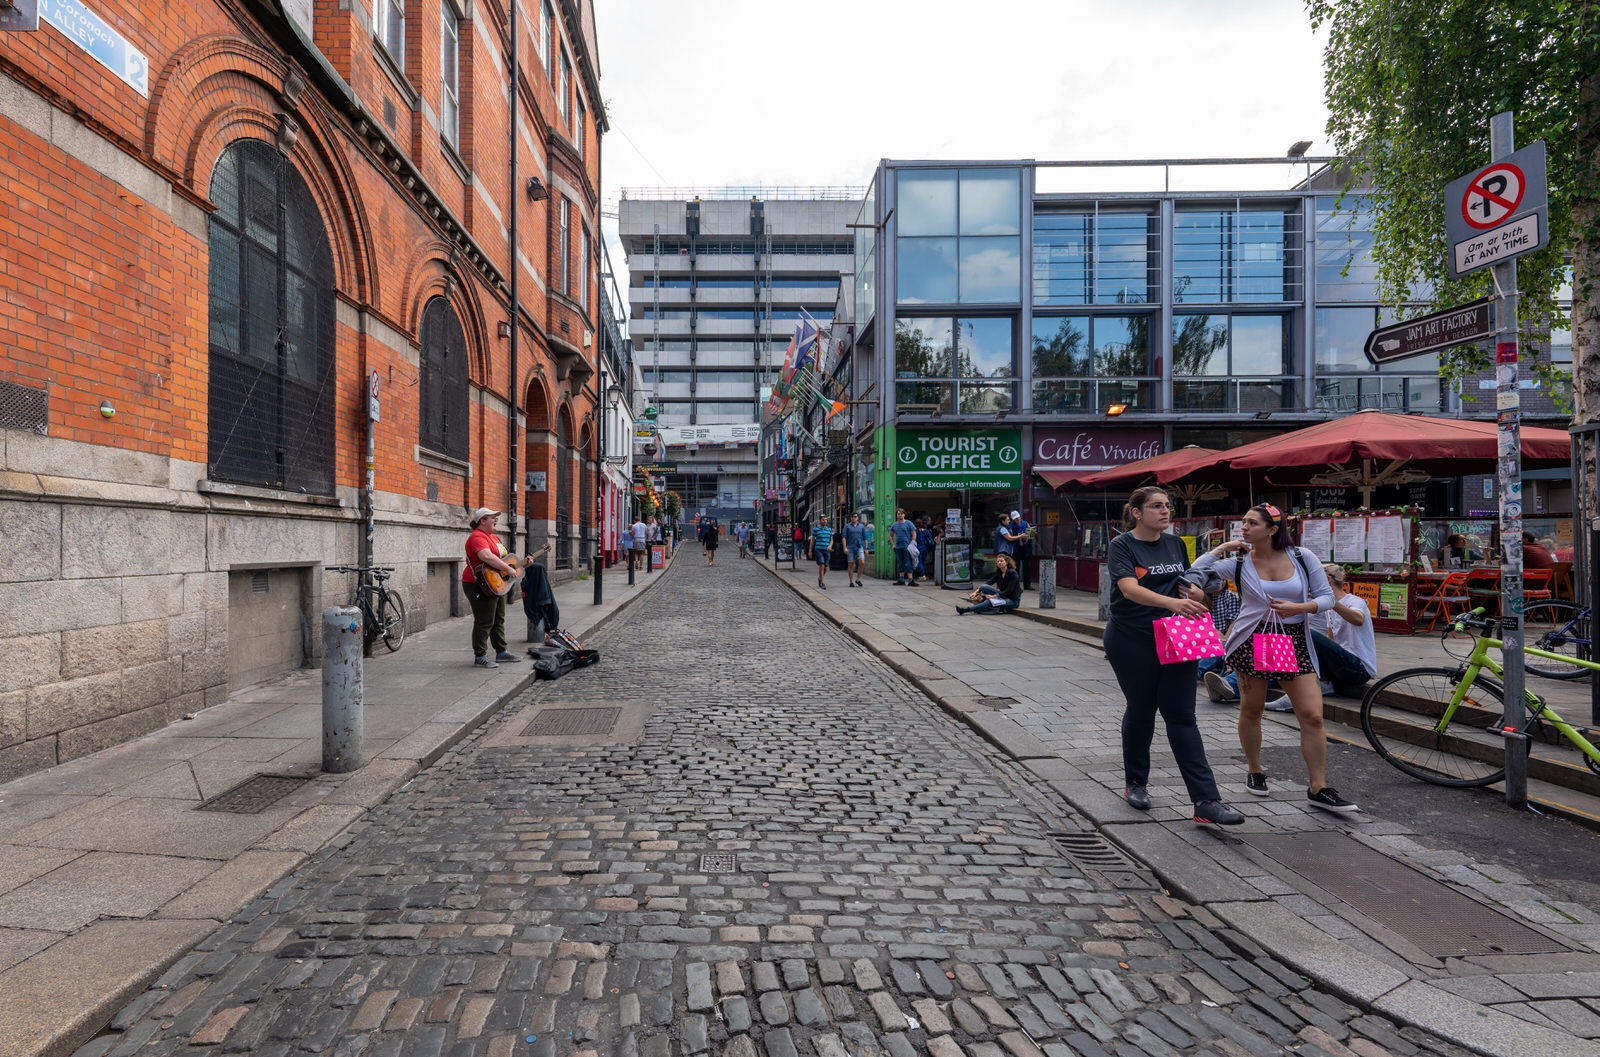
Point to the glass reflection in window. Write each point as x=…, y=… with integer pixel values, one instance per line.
x=991, y=270
x=1060, y=346
x=1260, y=344
x=922, y=348
x=1121, y=346
x=1341, y=337
x=1199, y=345
x=927, y=202
x=990, y=202
x=983, y=347
x=927, y=271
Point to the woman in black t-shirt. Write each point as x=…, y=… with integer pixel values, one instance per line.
x=1146, y=565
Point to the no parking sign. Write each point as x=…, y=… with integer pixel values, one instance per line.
x=1499, y=212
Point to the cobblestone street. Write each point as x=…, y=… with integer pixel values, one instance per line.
x=768, y=843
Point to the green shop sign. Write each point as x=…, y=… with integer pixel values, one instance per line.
x=971, y=458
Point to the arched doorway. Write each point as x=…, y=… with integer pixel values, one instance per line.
x=564, y=489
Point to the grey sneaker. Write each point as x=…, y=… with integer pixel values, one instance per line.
x=485, y=662
x=1328, y=799
x=1255, y=782
x=1281, y=703
x=1217, y=813
x=506, y=657
x=1217, y=688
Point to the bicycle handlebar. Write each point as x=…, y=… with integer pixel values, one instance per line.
x=361, y=568
x=1482, y=622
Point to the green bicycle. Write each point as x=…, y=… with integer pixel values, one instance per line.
x=1447, y=725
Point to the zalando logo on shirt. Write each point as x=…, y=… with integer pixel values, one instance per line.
x=1176, y=567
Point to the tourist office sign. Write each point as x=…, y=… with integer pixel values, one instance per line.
x=973, y=458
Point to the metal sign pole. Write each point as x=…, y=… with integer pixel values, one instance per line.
x=1508, y=414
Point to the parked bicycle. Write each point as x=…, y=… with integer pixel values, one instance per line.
x=383, y=612
x=1447, y=725
x=1563, y=629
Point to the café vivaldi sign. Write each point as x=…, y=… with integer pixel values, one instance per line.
x=1093, y=449
x=975, y=458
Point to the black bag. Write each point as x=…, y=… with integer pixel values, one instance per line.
x=550, y=662
x=584, y=658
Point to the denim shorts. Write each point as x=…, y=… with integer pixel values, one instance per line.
x=856, y=554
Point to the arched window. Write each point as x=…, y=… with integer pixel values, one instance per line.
x=444, y=381
x=271, y=390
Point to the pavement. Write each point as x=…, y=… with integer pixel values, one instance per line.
x=108, y=874
x=1367, y=907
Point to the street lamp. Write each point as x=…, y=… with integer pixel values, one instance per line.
x=608, y=395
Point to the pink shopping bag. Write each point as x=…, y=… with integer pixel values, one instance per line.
x=1180, y=639
x=1272, y=649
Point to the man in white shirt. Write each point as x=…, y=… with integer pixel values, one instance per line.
x=636, y=552
x=1348, y=652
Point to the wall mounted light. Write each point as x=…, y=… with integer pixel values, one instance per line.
x=505, y=329
x=1299, y=147
x=1116, y=409
x=106, y=410
x=537, y=191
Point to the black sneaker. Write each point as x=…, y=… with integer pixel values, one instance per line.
x=1328, y=799
x=1217, y=813
x=1256, y=783
x=1138, y=797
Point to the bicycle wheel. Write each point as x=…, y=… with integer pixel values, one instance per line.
x=1400, y=715
x=1557, y=627
x=392, y=621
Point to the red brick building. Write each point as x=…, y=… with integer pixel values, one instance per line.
x=218, y=219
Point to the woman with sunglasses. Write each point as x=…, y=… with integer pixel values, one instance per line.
x=1147, y=565
x=1278, y=584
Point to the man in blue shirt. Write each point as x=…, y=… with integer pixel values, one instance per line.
x=855, y=549
x=1004, y=541
x=904, y=532
x=822, y=542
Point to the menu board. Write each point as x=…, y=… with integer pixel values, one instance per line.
x=1317, y=537
x=1349, y=540
x=1386, y=540
x=957, y=555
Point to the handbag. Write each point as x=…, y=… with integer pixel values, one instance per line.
x=1180, y=639
x=1272, y=649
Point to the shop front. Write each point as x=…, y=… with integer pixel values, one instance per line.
x=962, y=481
x=1061, y=454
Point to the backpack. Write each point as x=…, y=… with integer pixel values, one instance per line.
x=580, y=657
x=550, y=662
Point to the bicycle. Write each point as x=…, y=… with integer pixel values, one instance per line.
x=383, y=614
x=1462, y=743
x=1568, y=636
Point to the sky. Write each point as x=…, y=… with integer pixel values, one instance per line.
x=730, y=92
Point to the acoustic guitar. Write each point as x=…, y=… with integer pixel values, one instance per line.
x=499, y=583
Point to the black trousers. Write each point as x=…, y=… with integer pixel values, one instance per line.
x=1150, y=688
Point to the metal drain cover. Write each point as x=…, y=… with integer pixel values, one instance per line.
x=253, y=795
x=1430, y=914
x=1089, y=851
x=718, y=862
x=554, y=722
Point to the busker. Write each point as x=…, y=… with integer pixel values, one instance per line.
x=1000, y=592
x=1147, y=566
x=488, y=609
x=1279, y=585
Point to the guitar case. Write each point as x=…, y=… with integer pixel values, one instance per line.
x=581, y=657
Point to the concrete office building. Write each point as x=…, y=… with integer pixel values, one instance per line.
x=718, y=281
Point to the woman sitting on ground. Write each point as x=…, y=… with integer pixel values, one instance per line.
x=1000, y=592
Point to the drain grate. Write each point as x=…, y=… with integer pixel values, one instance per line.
x=553, y=722
x=253, y=795
x=718, y=862
x=1089, y=851
x=1430, y=914
x=997, y=702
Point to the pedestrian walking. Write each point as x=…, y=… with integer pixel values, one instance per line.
x=1147, y=566
x=636, y=544
x=924, y=549
x=1001, y=592
x=709, y=541
x=822, y=548
x=743, y=533
x=1278, y=587
x=1024, y=547
x=484, y=549
x=905, y=533
x=855, y=549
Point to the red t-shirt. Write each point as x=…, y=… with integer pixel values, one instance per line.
x=479, y=540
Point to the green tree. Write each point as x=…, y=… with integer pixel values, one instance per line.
x=1411, y=86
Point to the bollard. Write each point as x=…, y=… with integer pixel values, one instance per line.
x=1104, y=611
x=341, y=689
x=1047, y=583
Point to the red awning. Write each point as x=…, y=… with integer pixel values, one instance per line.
x=1441, y=445
x=1062, y=478
x=1163, y=469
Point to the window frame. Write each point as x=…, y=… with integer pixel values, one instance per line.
x=566, y=89
x=394, y=18
x=444, y=376
x=450, y=75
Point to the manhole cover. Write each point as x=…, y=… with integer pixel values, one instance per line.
x=253, y=795
x=1430, y=914
x=718, y=862
x=552, y=722
x=1089, y=851
x=997, y=702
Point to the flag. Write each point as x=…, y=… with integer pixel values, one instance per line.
x=834, y=407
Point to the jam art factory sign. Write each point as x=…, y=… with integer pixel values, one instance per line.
x=1093, y=449
x=978, y=458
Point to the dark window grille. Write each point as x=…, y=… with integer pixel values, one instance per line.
x=563, y=495
x=586, y=508
x=272, y=351
x=444, y=381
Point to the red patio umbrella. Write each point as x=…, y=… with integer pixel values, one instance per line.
x=1166, y=469
x=1372, y=448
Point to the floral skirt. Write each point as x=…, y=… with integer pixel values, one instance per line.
x=1243, y=659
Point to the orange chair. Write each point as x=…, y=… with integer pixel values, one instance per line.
x=1536, y=585
x=1449, y=601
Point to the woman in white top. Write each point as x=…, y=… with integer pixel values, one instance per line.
x=1277, y=580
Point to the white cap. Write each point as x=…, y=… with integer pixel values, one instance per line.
x=481, y=513
x=1016, y=513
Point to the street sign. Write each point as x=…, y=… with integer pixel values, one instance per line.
x=1440, y=330
x=651, y=413
x=1499, y=212
x=374, y=383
